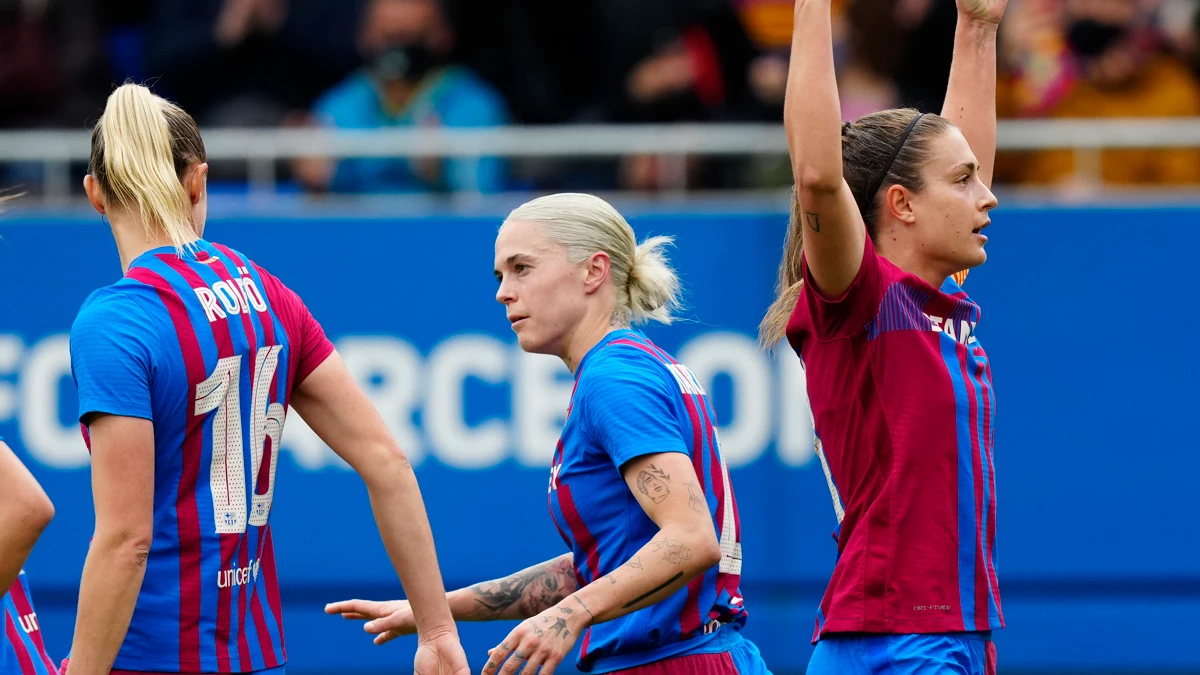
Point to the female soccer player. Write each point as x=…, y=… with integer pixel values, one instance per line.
x=25, y=511
x=185, y=370
x=888, y=208
x=638, y=488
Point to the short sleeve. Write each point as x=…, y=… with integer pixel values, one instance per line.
x=113, y=346
x=848, y=314
x=310, y=347
x=631, y=410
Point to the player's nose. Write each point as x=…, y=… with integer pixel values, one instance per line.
x=989, y=200
x=504, y=294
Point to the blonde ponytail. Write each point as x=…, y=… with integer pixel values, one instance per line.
x=653, y=285
x=141, y=148
x=647, y=288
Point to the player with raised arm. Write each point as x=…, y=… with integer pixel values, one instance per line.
x=888, y=208
x=639, y=490
x=185, y=369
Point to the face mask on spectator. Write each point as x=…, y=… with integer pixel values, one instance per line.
x=1089, y=37
x=410, y=63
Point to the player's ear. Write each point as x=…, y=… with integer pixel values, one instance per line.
x=596, y=270
x=195, y=181
x=95, y=198
x=898, y=200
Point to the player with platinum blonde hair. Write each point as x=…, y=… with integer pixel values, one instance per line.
x=639, y=490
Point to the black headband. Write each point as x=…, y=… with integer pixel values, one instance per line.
x=878, y=182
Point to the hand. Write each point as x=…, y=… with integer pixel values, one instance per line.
x=540, y=642
x=387, y=620
x=442, y=655
x=989, y=11
x=662, y=74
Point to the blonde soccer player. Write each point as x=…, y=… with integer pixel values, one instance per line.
x=186, y=367
x=639, y=490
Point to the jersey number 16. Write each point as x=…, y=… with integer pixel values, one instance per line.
x=222, y=392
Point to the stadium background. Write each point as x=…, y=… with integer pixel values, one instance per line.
x=1093, y=349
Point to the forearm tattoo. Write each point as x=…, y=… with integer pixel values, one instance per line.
x=673, y=551
x=528, y=592
x=650, y=593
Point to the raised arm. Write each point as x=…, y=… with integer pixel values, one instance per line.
x=971, y=94
x=686, y=546
x=834, y=234
x=517, y=596
x=25, y=511
x=334, y=406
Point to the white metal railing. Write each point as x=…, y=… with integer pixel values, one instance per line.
x=262, y=148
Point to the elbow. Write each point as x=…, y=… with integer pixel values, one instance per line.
x=386, y=464
x=130, y=546
x=134, y=552
x=708, y=553
x=33, y=514
x=39, y=513
x=814, y=181
x=705, y=552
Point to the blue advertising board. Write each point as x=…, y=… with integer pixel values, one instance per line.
x=1089, y=316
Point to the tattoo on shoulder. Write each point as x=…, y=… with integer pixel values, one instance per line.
x=813, y=220
x=652, y=482
x=696, y=497
x=673, y=551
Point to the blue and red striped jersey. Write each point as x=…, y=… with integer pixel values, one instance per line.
x=904, y=410
x=209, y=347
x=22, y=651
x=633, y=399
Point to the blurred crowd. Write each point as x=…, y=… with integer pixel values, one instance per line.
x=486, y=63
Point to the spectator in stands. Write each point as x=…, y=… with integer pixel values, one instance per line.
x=53, y=73
x=52, y=67
x=1094, y=58
x=248, y=62
x=408, y=82
x=1179, y=22
x=677, y=61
